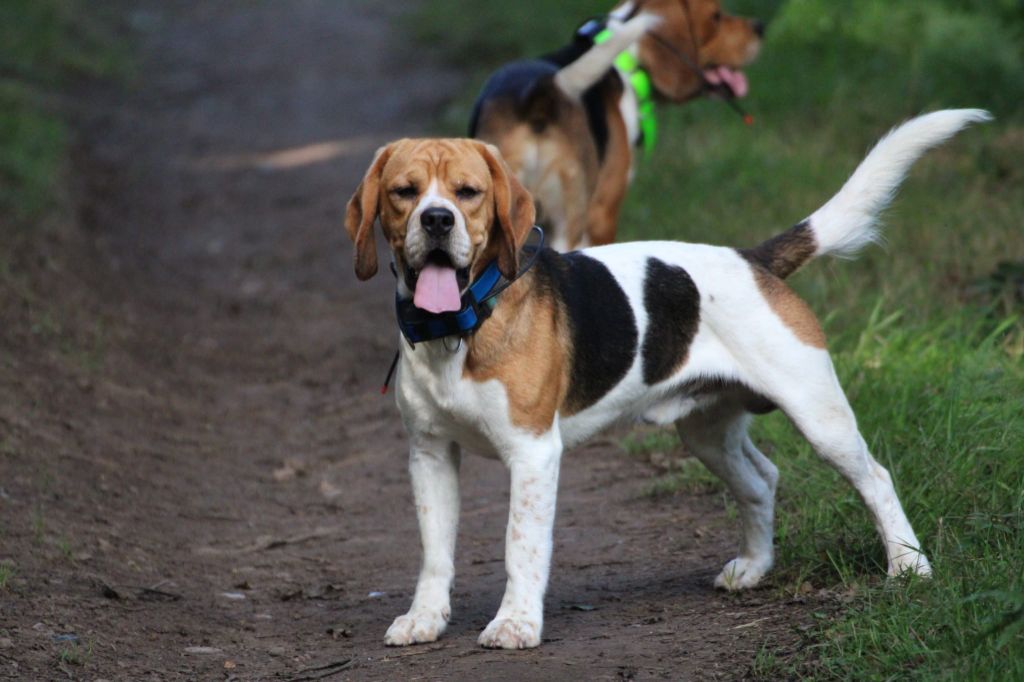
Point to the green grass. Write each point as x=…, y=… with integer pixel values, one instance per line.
x=75, y=653
x=44, y=46
x=6, y=573
x=926, y=332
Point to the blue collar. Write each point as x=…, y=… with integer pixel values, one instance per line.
x=477, y=304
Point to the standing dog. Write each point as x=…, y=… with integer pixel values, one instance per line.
x=696, y=335
x=567, y=124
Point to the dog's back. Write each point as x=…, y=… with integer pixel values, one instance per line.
x=549, y=117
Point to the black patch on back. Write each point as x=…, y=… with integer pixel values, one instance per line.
x=601, y=323
x=673, y=313
x=530, y=84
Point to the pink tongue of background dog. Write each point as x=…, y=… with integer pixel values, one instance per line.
x=736, y=80
x=437, y=290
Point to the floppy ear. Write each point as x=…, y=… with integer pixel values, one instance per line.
x=514, y=213
x=361, y=213
x=672, y=69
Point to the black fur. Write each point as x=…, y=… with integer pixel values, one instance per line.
x=601, y=323
x=530, y=85
x=752, y=401
x=673, y=314
x=785, y=253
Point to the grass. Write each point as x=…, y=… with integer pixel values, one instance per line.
x=75, y=654
x=44, y=46
x=7, y=572
x=927, y=332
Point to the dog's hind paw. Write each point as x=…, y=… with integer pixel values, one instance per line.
x=740, y=574
x=509, y=633
x=416, y=628
x=910, y=562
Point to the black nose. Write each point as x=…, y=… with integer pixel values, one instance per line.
x=758, y=28
x=437, y=221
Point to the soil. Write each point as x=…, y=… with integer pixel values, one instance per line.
x=198, y=476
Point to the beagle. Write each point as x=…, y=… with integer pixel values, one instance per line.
x=667, y=332
x=567, y=124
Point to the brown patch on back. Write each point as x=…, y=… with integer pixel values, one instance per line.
x=557, y=162
x=785, y=253
x=790, y=308
x=525, y=345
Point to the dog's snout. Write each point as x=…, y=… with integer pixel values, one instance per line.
x=758, y=27
x=437, y=221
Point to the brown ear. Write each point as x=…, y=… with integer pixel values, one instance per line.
x=361, y=213
x=669, y=58
x=514, y=213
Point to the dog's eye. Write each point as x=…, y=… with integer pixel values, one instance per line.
x=717, y=16
x=465, y=193
x=407, y=192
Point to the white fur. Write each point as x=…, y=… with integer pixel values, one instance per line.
x=848, y=221
x=740, y=338
x=578, y=77
x=417, y=242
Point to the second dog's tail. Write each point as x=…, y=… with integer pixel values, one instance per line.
x=576, y=78
x=848, y=221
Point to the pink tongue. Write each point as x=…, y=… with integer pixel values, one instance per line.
x=437, y=290
x=736, y=80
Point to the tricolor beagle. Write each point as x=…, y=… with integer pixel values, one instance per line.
x=695, y=335
x=567, y=123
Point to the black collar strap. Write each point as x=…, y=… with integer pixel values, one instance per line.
x=478, y=303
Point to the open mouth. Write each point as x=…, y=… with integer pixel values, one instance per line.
x=726, y=82
x=438, y=285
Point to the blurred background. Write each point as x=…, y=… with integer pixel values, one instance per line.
x=927, y=331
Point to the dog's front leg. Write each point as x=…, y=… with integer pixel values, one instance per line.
x=528, y=540
x=434, y=466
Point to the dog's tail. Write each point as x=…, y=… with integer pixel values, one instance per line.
x=848, y=221
x=576, y=78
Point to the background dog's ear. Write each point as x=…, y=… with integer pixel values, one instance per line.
x=670, y=60
x=514, y=213
x=361, y=213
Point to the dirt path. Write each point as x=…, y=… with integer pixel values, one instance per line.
x=199, y=480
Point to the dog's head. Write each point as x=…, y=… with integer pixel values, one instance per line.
x=723, y=45
x=447, y=209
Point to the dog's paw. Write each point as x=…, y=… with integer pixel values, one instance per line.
x=740, y=574
x=911, y=562
x=511, y=633
x=416, y=628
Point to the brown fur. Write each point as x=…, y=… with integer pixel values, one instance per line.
x=524, y=345
x=720, y=40
x=498, y=219
x=785, y=253
x=790, y=308
x=591, y=191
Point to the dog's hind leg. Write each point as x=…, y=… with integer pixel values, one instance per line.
x=434, y=467
x=718, y=437
x=809, y=393
x=533, y=464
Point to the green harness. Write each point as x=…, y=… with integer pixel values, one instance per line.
x=640, y=81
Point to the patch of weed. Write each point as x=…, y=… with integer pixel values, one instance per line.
x=75, y=653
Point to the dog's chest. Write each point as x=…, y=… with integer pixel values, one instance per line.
x=436, y=398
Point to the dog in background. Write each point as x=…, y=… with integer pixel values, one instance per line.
x=703, y=337
x=567, y=124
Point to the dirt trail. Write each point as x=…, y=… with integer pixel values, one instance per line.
x=213, y=488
